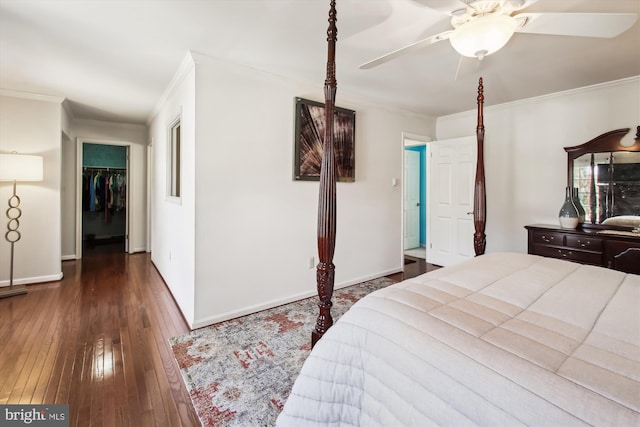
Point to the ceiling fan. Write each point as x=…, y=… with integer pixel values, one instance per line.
x=482, y=27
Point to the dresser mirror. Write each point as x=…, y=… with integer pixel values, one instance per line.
x=606, y=171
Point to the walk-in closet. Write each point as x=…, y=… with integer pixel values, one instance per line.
x=104, y=198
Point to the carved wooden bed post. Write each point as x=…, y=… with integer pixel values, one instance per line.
x=325, y=270
x=480, y=195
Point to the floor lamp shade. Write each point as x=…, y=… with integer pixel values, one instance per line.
x=20, y=167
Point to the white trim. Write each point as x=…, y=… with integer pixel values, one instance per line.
x=187, y=64
x=274, y=303
x=413, y=140
x=32, y=280
x=171, y=132
x=149, y=199
x=112, y=125
x=173, y=199
x=32, y=96
x=510, y=104
x=68, y=257
x=66, y=106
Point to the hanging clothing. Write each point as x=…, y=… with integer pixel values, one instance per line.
x=104, y=190
x=92, y=193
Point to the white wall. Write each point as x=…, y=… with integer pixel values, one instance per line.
x=526, y=165
x=255, y=228
x=134, y=136
x=172, y=221
x=32, y=125
x=68, y=198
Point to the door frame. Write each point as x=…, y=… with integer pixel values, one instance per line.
x=80, y=141
x=412, y=183
x=412, y=140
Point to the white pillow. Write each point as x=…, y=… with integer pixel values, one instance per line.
x=628, y=220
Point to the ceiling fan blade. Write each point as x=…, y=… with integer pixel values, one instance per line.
x=514, y=5
x=448, y=6
x=444, y=6
x=403, y=50
x=603, y=25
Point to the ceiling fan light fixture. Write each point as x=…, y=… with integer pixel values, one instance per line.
x=483, y=35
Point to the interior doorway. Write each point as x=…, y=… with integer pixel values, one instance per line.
x=102, y=220
x=414, y=206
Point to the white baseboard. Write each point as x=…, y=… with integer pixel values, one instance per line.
x=74, y=256
x=32, y=280
x=274, y=303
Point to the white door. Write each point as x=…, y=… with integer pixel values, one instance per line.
x=411, y=199
x=452, y=167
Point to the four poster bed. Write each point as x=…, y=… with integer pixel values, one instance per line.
x=501, y=339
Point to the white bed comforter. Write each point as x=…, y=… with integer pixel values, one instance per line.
x=499, y=340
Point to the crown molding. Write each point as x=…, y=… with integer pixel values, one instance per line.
x=67, y=108
x=32, y=96
x=107, y=124
x=187, y=64
x=568, y=92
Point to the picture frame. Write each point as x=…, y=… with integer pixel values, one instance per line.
x=309, y=137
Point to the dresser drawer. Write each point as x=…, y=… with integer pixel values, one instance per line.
x=586, y=245
x=584, y=257
x=584, y=242
x=548, y=238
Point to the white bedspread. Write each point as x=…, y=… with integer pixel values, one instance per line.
x=499, y=340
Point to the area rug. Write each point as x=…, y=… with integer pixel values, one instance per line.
x=240, y=372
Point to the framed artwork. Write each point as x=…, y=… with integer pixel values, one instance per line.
x=309, y=136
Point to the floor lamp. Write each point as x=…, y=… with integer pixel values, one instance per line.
x=16, y=167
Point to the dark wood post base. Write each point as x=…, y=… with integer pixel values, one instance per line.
x=325, y=274
x=479, y=243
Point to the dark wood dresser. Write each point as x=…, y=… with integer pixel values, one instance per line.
x=619, y=250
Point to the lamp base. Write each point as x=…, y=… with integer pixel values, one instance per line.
x=9, y=291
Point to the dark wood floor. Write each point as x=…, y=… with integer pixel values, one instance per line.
x=413, y=267
x=97, y=340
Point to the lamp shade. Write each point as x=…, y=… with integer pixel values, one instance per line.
x=483, y=35
x=20, y=167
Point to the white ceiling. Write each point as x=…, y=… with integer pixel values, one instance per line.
x=113, y=59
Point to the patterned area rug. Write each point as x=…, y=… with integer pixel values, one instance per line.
x=240, y=372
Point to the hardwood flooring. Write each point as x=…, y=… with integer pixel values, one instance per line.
x=419, y=266
x=97, y=340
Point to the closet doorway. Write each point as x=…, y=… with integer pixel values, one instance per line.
x=414, y=185
x=103, y=221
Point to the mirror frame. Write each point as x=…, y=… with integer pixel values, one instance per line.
x=606, y=143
